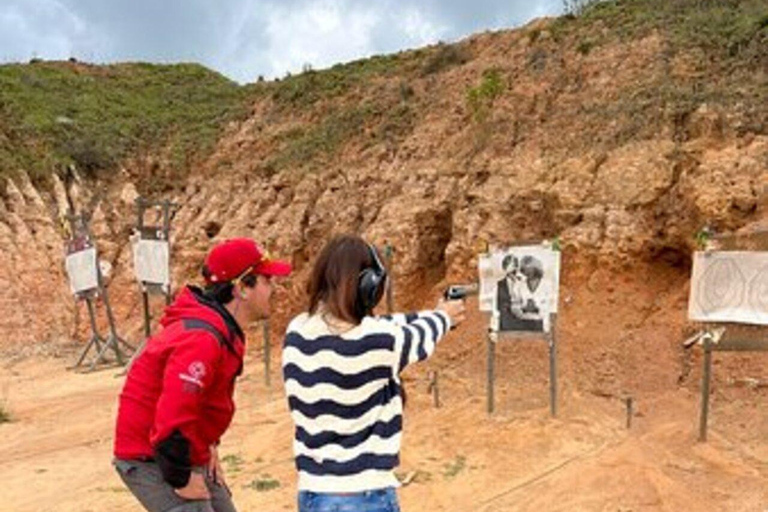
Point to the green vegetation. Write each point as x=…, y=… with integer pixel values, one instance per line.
x=576, y=7
x=5, y=416
x=53, y=114
x=585, y=46
x=311, y=86
x=455, y=467
x=724, y=27
x=703, y=237
x=233, y=463
x=304, y=145
x=480, y=98
x=712, y=52
x=388, y=119
x=263, y=484
x=444, y=57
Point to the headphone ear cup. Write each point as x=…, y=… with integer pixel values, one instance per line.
x=370, y=285
x=369, y=288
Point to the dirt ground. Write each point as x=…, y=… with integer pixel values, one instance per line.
x=56, y=452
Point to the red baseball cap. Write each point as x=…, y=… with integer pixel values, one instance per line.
x=234, y=258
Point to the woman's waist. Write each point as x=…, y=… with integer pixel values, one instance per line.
x=369, y=480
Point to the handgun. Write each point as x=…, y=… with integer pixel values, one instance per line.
x=460, y=291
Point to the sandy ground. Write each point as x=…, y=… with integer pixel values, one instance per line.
x=56, y=452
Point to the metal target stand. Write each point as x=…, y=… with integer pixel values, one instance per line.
x=740, y=338
x=80, y=240
x=726, y=336
x=551, y=339
x=549, y=336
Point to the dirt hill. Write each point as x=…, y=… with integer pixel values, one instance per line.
x=622, y=132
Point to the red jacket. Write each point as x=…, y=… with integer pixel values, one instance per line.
x=178, y=392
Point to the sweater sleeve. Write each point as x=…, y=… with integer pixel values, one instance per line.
x=417, y=334
x=176, y=438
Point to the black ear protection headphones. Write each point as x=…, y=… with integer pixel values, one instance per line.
x=370, y=285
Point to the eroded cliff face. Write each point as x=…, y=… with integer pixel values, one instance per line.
x=551, y=158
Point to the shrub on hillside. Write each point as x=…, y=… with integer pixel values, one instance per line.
x=480, y=98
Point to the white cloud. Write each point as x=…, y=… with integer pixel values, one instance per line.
x=419, y=30
x=42, y=28
x=319, y=34
x=245, y=38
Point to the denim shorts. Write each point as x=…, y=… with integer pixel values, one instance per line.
x=145, y=481
x=379, y=500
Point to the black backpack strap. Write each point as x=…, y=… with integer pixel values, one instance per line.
x=202, y=325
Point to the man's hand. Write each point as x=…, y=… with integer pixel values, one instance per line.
x=215, y=472
x=195, y=489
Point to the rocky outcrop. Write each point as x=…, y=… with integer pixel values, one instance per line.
x=540, y=166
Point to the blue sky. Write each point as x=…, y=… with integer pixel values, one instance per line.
x=245, y=38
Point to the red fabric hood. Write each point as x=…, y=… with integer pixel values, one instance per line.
x=192, y=304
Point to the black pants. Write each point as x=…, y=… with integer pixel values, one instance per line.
x=145, y=481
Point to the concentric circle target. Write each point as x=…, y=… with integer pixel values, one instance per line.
x=758, y=291
x=722, y=286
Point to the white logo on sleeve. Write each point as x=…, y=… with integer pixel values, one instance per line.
x=195, y=374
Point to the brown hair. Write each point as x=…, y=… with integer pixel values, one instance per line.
x=223, y=293
x=335, y=276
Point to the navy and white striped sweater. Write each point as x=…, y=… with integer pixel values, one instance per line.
x=344, y=394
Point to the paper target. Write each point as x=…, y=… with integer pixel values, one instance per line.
x=519, y=286
x=151, y=261
x=729, y=286
x=82, y=270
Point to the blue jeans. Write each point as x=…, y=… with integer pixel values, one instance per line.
x=380, y=500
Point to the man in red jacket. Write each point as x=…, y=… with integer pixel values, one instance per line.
x=177, y=398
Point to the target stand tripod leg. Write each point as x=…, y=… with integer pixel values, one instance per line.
x=134, y=356
x=113, y=341
x=95, y=341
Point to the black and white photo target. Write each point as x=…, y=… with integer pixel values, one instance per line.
x=519, y=286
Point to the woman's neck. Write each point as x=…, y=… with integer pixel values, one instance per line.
x=335, y=324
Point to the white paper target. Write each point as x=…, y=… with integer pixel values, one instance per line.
x=82, y=270
x=729, y=286
x=151, y=261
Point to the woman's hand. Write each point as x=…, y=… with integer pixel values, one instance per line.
x=454, y=309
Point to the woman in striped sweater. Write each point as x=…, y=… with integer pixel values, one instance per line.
x=341, y=369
